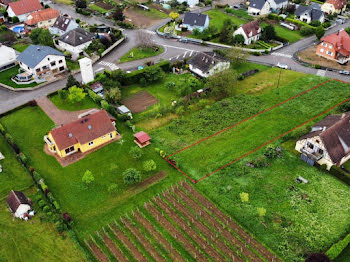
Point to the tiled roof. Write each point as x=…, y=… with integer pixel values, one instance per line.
x=205, y=60
x=15, y=199
x=340, y=41
x=83, y=130
x=76, y=37
x=251, y=27
x=315, y=14
x=25, y=6
x=34, y=54
x=62, y=22
x=42, y=15
x=195, y=19
x=257, y=4
x=142, y=137
x=338, y=4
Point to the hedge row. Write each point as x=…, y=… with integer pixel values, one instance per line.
x=337, y=248
x=298, y=22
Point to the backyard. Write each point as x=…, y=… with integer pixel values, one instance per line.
x=33, y=240
x=137, y=53
x=66, y=104
x=5, y=78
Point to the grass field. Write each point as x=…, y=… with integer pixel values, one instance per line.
x=152, y=13
x=107, y=165
x=344, y=256
x=20, y=47
x=5, y=78
x=86, y=103
x=290, y=35
x=218, y=17
x=137, y=53
x=29, y=241
x=98, y=9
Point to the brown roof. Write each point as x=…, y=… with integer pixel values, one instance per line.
x=338, y=4
x=251, y=27
x=340, y=40
x=334, y=131
x=5, y=2
x=15, y=199
x=25, y=6
x=83, y=130
x=42, y=15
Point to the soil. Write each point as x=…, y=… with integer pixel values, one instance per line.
x=98, y=253
x=233, y=226
x=137, y=19
x=174, y=254
x=139, y=102
x=114, y=249
x=309, y=56
x=150, y=181
x=104, y=5
x=141, y=238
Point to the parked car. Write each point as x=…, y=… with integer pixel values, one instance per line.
x=283, y=66
x=344, y=72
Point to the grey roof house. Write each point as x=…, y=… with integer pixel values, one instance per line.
x=258, y=7
x=206, y=64
x=308, y=14
x=195, y=20
x=38, y=60
x=278, y=4
x=62, y=25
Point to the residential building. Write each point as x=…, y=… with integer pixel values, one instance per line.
x=278, y=4
x=39, y=60
x=190, y=3
x=334, y=6
x=195, y=20
x=250, y=31
x=23, y=8
x=335, y=47
x=82, y=135
x=328, y=143
x=308, y=14
x=259, y=7
x=18, y=204
x=43, y=18
x=62, y=25
x=2, y=18
x=206, y=64
x=5, y=3
x=75, y=41
x=7, y=57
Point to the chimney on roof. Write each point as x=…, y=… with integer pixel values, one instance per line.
x=38, y=49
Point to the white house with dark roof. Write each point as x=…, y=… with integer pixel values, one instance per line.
x=259, y=7
x=250, y=31
x=308, y=14
x=195, y=20
x=328, y=142
x=278, y=4
x=75, y=41
x=18, y=204
x=39, y=60
x=62, y=25
x=205, y=64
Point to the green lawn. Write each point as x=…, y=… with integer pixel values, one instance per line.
x=94, y=207
x=98, y=9
x=290, y=35
x=217, y=18
x=137, y=53
x=152, y=13
x=5, y=78
x=72, y=65
x=20, y=47
x=246, y=66
x=60, y=103
x=20, y=240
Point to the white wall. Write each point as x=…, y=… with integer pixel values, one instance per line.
x=21, y=18
x=74, y=50
x=21, y=210
x=47, y=62
x=215, y=69
x=265, y=10
x=247, y=40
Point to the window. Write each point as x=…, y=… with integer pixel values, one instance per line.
x=69, y=150
x=320, y=151
x=111, y=135
x=50, y=21
x=37, y=70
x=48, y=59
x=321, y=50
x=317, y=141
x=330, y=46
x=310, y=145
x=44, y=67
x=60, y=61
x=103, y=137
x=91, y=143
x=329, y=53
x=324, y=44
x=61, y=68
x=53, y=63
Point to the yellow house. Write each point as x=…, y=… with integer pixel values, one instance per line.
x=43, y=18
x=82, y=135
x=334, y=6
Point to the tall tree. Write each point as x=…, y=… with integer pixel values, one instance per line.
x=131, y=176
x=226, y=34
x=174, y=15
x=222, y=84
x=80, y=3
x=40, y=36
x=76, y=94
x=268, y=33
x=319, y=32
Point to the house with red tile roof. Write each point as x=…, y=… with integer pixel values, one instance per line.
x=334, y=6
x=23, y=8
x=43, y=18
x=250, y=31
x=328, y=142
x=82, y=135
x=335, y=47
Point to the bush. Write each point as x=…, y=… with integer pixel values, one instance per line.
x=112, y=188
x=44, y=187
x=56, y=205
x=46, y=209
x=51, y=197
x=298, y=22
x=326, y=24
x=149, y=165
x=9, y=139
x=41, y=203
x=16, y=148
x=60, y=227
x=260, y=161
x=131, y=176
x=104, y=105
x=306, y=31
x=136, y=152
x=125, y=25
x=23, y=158
x=2, y=129
x=338, y=247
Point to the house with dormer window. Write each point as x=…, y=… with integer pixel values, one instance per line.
x=328, y=143
x=250, y=31
x=258, y=7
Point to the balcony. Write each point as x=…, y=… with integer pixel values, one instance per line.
x=311, y=153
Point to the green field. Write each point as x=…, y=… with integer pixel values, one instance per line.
x=66, y=104
x=5, y=78
x=28, y=241
x=290, y=35
x=107, y=165
x=152, y=13
x=137, y=53
x=98, y=9
x=218, y=17
x=20, y=47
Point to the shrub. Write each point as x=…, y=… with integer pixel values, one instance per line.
x=44, y=187
x=131, y=176
x=105, y=105
x=261, y=211
x=112, y=188
x=41, y=203
x=136, y=152
x=63, y=94
x=56, y=205
x=306, y=31
x=60, y=227
x=317, y=66
x=326, y=24
x=2, y=129
x=338, y=247
x=260, y=161
x=9, y=139
x=149, y=165
x=273, y=152
x=36, y=176
x=244, y=197
x=46, y=209
x=51, y=197
x=16, y=148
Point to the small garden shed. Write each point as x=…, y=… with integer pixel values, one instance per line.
x=142, y=139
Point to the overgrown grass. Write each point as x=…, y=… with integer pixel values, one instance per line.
x=152, y=13
x=344, y=256
x=137, y=53
x=20, y=47
x=66, y=104
x=98, y=9
x=5, y=78
x=107, y=165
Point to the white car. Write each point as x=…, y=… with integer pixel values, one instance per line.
x=283, y=66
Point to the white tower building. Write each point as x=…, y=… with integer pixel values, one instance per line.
x=87, y=74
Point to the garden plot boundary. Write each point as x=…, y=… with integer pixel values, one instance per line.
x=167, y=158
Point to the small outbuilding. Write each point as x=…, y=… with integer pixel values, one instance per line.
x=19, y=204
x=123, y=110
x=142, y=139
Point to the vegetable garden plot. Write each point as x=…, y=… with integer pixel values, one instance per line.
x=217, y=151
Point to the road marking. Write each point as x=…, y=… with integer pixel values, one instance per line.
x=178, y=57
x=191, y=53
x=185, y=54
x=150, y=32
x=280, y=54
x=108, y=64
x=321, y=72
x=176, y=47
